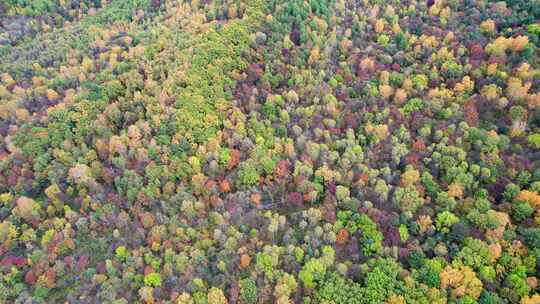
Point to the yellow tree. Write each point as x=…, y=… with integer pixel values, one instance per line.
x=462, y=281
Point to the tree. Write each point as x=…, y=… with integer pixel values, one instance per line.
x=517, y=280
x=27, y=209
x=445, y=220
x=146, y=294
x=475, y=253
x=248, y=175
x=339, y=290
x=491, y=92
x=312, y=272
x=381, y=281
x=152, y=279
x=430, y=271
x=530, y=299
x=408, y=199
x=215, y=295
x=534, y=141
x=462, y=281
x=248, y=290
x=371, y=239
x=286, y=285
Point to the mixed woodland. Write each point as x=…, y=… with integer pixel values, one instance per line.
x=270, y=151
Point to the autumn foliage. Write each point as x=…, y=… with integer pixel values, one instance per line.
x=249, y=151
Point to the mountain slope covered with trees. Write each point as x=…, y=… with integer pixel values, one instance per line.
x=270, y=151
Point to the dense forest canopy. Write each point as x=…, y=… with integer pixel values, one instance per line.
x=270, y=151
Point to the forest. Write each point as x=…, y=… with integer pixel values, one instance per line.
x=270, y=151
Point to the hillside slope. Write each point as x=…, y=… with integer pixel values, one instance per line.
x=227, y=151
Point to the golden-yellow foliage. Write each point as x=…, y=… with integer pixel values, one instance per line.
x=407, y=85
x=87, y=64
x=232, y=12
x=346, y=45
x=462, y=281
x=52, y=191
x=410, y=177
x=490, y=91
x=466, y=85
x=215, y=295
x=534, y=299
x=7, y=79
x=134, y=133
x=424, y=222
x=380, y=131
x=367, y=64
x=22, y=114
x=396, y=28
x=530, y=197
x=116, y=145
x=455, y=190
x=400, y=96
x=384, y=77
x=488, y=26
x=379, y=26
x=26, y=208
x=52, y=95
x=516, y=88
x=533, y=101
x=385, y=91
x=445, y=12
x=491, y=69
x=184, y=298
x=523, y=71
x=519, y=43
x=395, y=299
x=245, y=261
x=314, y=55
x=429, y=42
x=500, y=45
x=496, y=251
